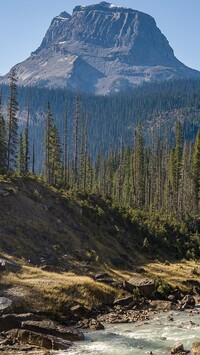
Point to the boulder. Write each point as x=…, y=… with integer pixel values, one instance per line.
x=101, y=276
x=161, y=305
x=79, y=311
x=9, y=266
x=123, y=301
x=40, y=340
x=187, y=302
x=178, y=349
x=94, y=324
x=5, y=305
x=145, y=286
x=11, y=321
x=104, y=278
x=116, y=284
x=196, y=348
x=53, y=328
x=84, y=323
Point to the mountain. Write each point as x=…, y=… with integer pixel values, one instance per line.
x=101, y=49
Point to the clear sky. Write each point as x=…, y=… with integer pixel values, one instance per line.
x=23, y=24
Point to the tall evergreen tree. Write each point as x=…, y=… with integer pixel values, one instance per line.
x=48, y=144
x=12, y=123
x=56, y=158
x=26, y=141
x=139, y=167
x=21, y=156
x=178, y=152
x=76, y=140
x=66, y=148
x=3, y=147
x=53, y=151
x=196, y=172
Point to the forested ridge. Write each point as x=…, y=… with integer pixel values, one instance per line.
x=162, y=174
x=111, y=118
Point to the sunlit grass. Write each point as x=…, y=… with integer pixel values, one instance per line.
x=56, y=293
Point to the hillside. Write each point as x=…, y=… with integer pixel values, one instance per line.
x=65, y=228
x=62, y=239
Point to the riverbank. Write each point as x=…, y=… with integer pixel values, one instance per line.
x=48, y=306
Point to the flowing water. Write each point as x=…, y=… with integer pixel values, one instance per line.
x=158, y=335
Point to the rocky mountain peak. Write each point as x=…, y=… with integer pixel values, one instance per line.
x=64, y=15
x=102, y=6
x=102, y=48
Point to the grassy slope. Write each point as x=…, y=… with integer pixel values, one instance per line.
x=83, y=234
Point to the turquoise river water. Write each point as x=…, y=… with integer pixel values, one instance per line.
x=157, y=335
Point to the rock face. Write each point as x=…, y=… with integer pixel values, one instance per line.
x=101, y=49
x=17, y=330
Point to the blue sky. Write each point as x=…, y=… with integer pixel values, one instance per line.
x=23, y=24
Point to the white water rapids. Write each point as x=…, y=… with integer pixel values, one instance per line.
x=157, y=335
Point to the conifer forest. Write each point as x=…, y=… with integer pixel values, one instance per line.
x=157, y=173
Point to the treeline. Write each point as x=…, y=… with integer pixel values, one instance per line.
x=158, y=177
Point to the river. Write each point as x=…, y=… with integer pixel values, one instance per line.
x=157, y=335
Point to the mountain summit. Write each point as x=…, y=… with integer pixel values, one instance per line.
x=102, y=48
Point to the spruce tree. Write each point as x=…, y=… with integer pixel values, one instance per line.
x=56, y=158
x=21, y=156
x=12, y=123
x=76, y=140
x=139, y=168
x=26, y=141
x=196, y=172
x=53, y=151
x=3, y=147
x=48, y=145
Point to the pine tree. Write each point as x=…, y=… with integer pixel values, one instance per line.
x=21, y=156
x=196, y=172
x=56, y=158
x=66, y=149
x=48, y=145
x=3, y=147
x=139, y=168
x=76, y=140
x=185, y=192
x=26, y=141
x=178, y=152
x=33, y=157
x=12, y=123
x=53, y=152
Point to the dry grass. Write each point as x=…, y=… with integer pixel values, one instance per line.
x=175, y=273
x=34, y=289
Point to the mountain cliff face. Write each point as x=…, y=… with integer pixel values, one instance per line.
x=101, y=49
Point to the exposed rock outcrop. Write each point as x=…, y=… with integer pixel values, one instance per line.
x=101, y=49
x=32, y=330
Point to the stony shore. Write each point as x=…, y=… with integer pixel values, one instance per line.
x=34, y=332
